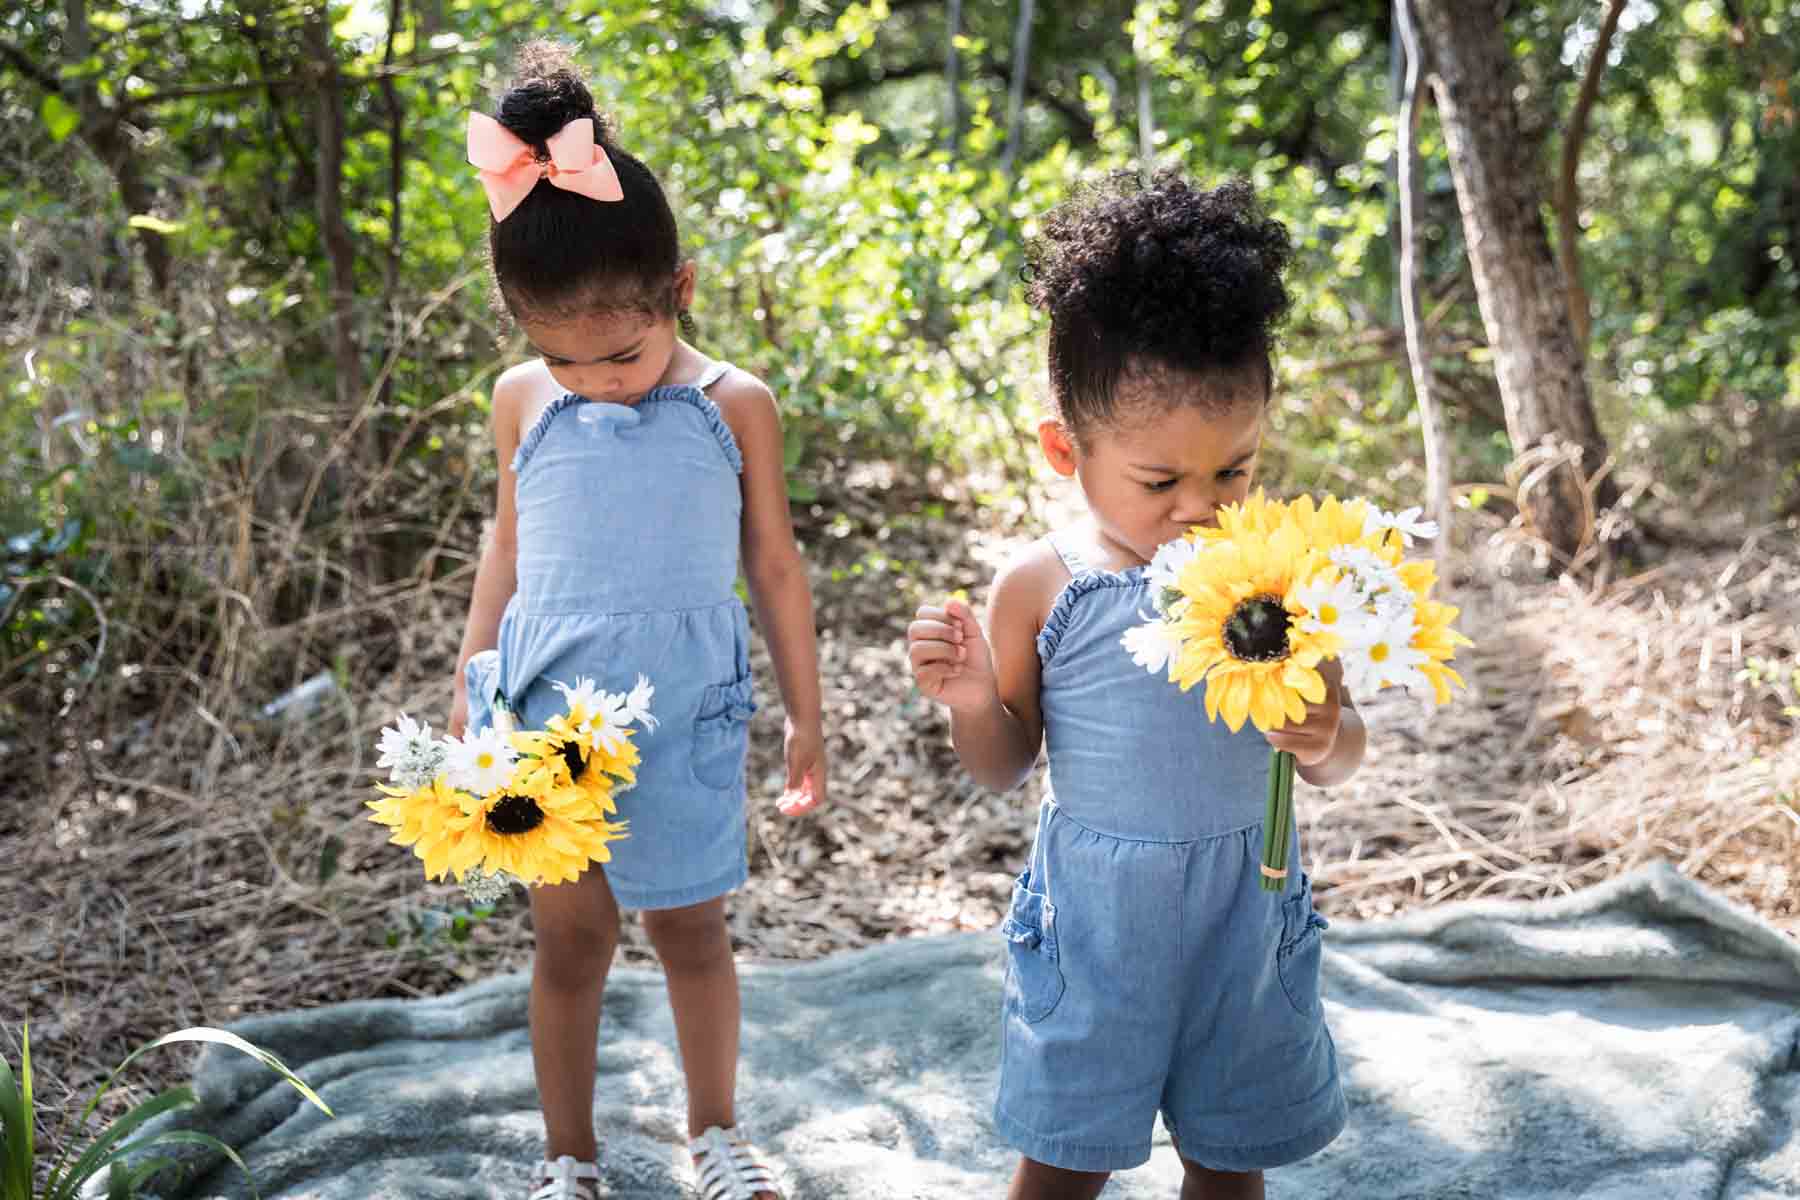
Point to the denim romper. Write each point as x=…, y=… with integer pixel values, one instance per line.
x=628, y=523
x=1146, y=970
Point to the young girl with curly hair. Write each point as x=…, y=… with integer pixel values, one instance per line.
x=1147, y=971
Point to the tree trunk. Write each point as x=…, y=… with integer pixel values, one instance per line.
x=103, y=129
x=1146, y=116
x=340, y=253
x=1568, y=195
x=952, y=68
x=396, y=114
x=1431, y=423
x=1540, y=369
x=431, y=20
x=1015, y=100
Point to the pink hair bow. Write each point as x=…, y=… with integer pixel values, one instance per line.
x=509, y=168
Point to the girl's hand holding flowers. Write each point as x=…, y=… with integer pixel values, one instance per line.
x=1312, y=739
x=1280, y=608
x=459, y=707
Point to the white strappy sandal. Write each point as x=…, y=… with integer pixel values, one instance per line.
x=568, y=1178
x=727, y=1168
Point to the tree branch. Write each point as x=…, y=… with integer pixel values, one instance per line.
x=1568, y=199
x=1080, y=123
x=1431, y=420
x=1074, y=114
x=287, y=82
x=31, y=70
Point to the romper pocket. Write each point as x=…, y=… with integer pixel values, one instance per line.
x=1034, y=981
x=1298, y=957
x=722, y=734
x=481, y=683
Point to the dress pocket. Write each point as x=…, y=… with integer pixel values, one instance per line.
x=481, y=682
x=1302, y=946
x=1034, y=980
x=722, y=734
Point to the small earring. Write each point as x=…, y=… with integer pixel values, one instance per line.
x=689, y=326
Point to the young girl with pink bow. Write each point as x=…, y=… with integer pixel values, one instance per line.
x=635, y=474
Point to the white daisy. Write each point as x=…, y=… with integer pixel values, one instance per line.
x=1362, y=561
x=1380, y=584
x=1394, y=605
x=607, y=724
x=1335, y=606
x=412, y=756
x=480, y=763
x=1151, y=645
x=583, y=697
x=1383, y=657
x=637, y=705
x=1405, y=522
x=1164, y=571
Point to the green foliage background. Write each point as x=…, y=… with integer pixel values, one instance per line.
x=160, y=445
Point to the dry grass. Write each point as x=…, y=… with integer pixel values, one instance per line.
x=157, y=886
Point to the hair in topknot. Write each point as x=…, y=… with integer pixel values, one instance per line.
x=1142, y=279
x=559, y=254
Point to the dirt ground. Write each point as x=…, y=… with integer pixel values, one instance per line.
x=1601, y=728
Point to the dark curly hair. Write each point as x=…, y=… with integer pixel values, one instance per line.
x=1141, y=279
x=559, y=253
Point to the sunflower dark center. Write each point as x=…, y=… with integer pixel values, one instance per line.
x=515, y=815
x=571, y=754
x=1257, y=630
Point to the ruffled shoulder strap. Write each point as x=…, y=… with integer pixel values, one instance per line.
x=694, y=394
x=529, y=443
x=1062, y=613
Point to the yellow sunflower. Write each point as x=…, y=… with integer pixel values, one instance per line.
x=1334, y=523
x=1434, y=638
x=1419, y=576
x=433, y=820
x=564, y=757
x=1255, y=518
x=1240, y=631
x=538, y=834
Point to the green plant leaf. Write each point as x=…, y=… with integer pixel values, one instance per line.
x=181, y=1137
x=60, y=117
x=155, y=224
x=328, y=858
x=196, y=1033
x=66, y=537
x=16, y=1127
x=66, y=1185
x=135, y=1178
x=219, y=1037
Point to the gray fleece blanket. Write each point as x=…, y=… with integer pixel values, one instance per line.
x=1637, y=1040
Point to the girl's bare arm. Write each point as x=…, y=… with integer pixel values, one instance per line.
x=496, y=578
x=776, y=574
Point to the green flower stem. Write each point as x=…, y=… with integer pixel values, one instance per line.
x=1278, y=820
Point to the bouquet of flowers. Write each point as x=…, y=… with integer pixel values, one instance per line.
x=505, y=806
x=1253, y=606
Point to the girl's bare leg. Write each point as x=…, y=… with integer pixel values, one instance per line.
x=577, y=929
x=1038, y=1181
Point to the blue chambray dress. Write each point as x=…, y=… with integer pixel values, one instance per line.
x=1147, y=970
x=629, y=518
